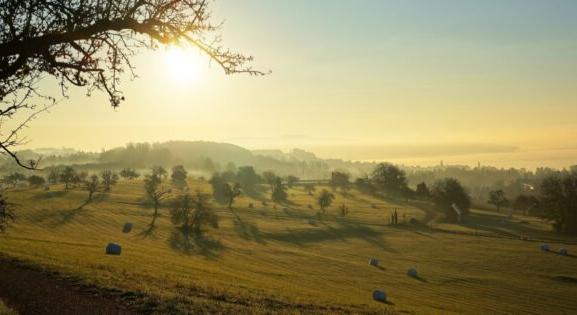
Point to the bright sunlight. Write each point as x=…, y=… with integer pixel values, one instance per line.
x=183, y=65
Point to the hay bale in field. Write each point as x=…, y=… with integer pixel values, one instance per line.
x=380, y=296
x=127, y=227
x=113, y=249
x=412, y=272
x=373, y=262
x=563, y=252
x=545, y=247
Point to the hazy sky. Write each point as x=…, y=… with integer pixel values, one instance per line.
x=353, y=72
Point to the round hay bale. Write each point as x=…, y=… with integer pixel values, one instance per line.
x=412, y=272
x=545, y=247
x=373, y=262
x=127, y=227
x=113, y=249
x=379, y=295
x=563, y=252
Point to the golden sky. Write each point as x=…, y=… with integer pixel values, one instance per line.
x=349, y=72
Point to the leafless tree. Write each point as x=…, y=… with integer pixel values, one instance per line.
x=90, y=43
x=91, y=185
x=6, y=214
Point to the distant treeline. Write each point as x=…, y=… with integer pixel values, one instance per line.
x=210, y=157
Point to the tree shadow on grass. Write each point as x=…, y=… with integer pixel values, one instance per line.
x=189, y=243
x=51, y=194
x=343, y=231
x=246, y=230
x=503, y=226
x=256, y=194
x=149, y=231
x=61, y=217
x=419, y=278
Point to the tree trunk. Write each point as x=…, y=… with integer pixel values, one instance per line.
x=155, y=215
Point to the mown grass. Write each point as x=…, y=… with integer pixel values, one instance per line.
x=5, y=310
x=287, y=259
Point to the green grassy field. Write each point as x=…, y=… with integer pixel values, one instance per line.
x=288, y=260
x=4, y=310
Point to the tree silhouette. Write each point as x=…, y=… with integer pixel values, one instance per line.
x=36, y=181
x=6, y=213
x=278, y=193
x=247, y=178
x=325, y=199
x=340, y=180
x=129, y=173
x=291, y=180
x=269, y=177
x=423, y=191
x=179, y=176
x=447, y=192
x=498, y=199
x=90, y=44
x=67, y=176
x=390, y=179
x=13, y=179
x=109, y=178
x=231, y=192
x=192, y=213
x=559, y=201
x=155, y=191
x=91, y=185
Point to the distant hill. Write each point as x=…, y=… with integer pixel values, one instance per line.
x=223, y=153
x=294, y=154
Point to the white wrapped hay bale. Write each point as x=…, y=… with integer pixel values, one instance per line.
x=113, y=249
x=127, y=227
x=379, y=295
x=373, y=262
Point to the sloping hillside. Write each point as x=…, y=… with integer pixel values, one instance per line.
x=286, y=258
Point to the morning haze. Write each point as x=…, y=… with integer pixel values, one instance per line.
x=374, y=157
x=380, y=73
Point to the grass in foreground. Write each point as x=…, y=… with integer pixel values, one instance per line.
x=5, y=310
x=290, y=260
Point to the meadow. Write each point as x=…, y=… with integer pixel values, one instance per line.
x=286, y=259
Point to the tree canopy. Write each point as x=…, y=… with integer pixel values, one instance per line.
x=449, y=191
x=559, y=200
x=90, y=44
x=390, y=179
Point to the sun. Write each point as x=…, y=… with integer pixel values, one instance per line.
x=183, y=65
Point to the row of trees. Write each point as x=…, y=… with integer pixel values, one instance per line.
x=555, y=200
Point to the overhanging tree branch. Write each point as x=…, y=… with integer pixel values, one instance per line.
x=91, y=43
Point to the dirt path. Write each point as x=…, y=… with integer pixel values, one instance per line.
x=31, y=291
